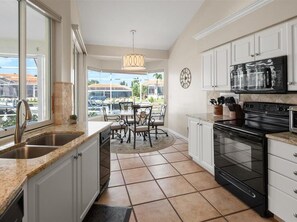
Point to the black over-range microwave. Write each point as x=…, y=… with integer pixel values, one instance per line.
x=263, y=76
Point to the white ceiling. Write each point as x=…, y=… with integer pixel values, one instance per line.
x=158, y=23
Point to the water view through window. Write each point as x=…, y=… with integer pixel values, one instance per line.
x=108, y=89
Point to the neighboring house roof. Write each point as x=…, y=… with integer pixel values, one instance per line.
x=153, y=82
x=106, y=86
x=31, y=80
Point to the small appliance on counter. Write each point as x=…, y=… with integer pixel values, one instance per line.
x=263, y=76
x=293, y=119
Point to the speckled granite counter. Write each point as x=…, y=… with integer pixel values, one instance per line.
x=208, y=117
x=15, y=172
x=286, y=137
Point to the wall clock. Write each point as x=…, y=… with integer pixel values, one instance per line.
x=185, y=78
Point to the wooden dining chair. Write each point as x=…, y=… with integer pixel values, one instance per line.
x=142, y=123
x=117, y=124
x=157, y=120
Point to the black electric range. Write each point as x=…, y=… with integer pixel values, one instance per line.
x=240, y=151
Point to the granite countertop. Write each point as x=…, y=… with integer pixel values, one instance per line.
x=286, y=137
x=15, y=172
x=209, y=117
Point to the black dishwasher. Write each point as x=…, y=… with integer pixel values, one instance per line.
x=104, y=159
x=15, y=210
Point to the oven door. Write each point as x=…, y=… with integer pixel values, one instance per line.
x=241, y=165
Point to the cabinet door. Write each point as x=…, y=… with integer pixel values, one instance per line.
x=207, y=70
x=52, y=193
x=243, y=50
x=193, y=138
x=292, y=55
x=88, y=167
x=271, y=42
x=222, y=62
x=207, y=147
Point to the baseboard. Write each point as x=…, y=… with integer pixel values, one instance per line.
x=177, y=134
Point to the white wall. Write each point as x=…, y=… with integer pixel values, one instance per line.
x=186, y=50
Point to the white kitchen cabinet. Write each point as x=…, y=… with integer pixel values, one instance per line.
x=243, y=50
x=66, y=190
x=268, y=43
x=215, y=68
x=282, y=180
x=88, y=186
x=201, y=143
x=292, y=55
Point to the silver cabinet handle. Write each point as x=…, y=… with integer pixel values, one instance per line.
x=75, y=157
x=295, y=154
x=79, y=154
x=257, y=54
x=295, y=172
x=252, y=55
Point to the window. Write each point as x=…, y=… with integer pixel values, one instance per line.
x=24, y=77
x=108, y=89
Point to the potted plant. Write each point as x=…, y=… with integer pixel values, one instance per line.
x=73, y=119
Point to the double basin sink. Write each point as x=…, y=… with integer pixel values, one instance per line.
x=40, y=145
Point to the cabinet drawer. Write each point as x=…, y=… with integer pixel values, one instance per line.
x=284, y=150
x=282, y=204
x=284, y=167
x=283, y=183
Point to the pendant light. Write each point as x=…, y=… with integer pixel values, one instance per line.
x=133, y=61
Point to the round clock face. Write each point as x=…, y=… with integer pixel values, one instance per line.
x=185, y=78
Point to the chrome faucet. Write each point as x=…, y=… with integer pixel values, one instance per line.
x=19, y=130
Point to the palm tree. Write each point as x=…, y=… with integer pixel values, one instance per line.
x=157, y=77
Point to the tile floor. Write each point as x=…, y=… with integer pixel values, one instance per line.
x=168, y=186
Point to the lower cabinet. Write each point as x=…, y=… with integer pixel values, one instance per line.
x=65, y=191
x=201, y=143
x=282, y=180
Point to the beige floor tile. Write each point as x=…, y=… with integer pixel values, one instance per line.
x=224, y=201
x=181, y=147
x=144, y=192
x=113, y=156
x=174, y=186
x=114, y=165
x=193, y=207
x=156, y=212
x=174, y=157
x=170, y=149
x=125, y=156
x=115, y=196
x=154, y=160
x=187, y=167
x=132, y=217
x=131, y=163
x=137, y=175
x=162, y=171
x=221, y=219
x=180, y=141
x=116, y=179
x=149, y=153
x=247, y=216
x=186, y=153
x=202, y=180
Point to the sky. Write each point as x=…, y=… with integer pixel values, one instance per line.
x=10, y=65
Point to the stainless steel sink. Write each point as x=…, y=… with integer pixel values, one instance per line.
x=53, y=139
x=28, y=152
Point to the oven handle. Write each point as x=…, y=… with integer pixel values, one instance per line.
x=251, y=194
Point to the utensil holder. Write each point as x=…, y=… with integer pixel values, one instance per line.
x=218, y=110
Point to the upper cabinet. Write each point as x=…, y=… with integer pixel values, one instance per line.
x=269, y=43
x=215, y=68
x=292, y=55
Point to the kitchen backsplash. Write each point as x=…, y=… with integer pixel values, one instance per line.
x=275, y=98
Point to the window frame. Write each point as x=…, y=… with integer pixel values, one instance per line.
x=22, y=56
